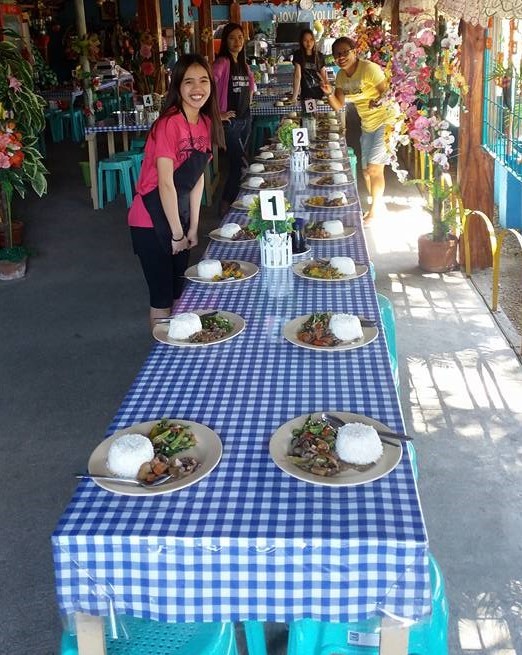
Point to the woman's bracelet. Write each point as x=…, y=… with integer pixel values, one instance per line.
x=175, y=240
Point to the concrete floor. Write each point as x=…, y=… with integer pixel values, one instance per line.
x=74, y=335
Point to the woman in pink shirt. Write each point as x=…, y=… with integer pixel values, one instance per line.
x=164, y=215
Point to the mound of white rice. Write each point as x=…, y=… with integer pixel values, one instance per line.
x=345, y=327
x=229, y=229
x=340, y=178
x=279, y=146
x=358, y=443
x=184, y=325
x=127, y=453
x=209, y=268
x=334, y=145
x=344, y=265
x=256, y=168
x=336, y=154
x=266, y=154
x=333, y=227
x=255, y=182
x=248, y=199
x=339, y=195
x=336, y=166
x=333, y=136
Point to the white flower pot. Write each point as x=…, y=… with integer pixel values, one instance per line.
x=276, y=250
x=299, y=161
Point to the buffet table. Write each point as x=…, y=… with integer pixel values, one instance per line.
x=249, y=541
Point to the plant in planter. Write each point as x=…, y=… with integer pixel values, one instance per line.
x=21, y=121
x=274, y=236
x=284, y=133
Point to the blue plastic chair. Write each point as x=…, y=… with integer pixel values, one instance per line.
x=260, y=125
x=388, y=323
x=136, y=157
x=152, y=638
x=138, y=143
x=427, y=637
x=107, y=170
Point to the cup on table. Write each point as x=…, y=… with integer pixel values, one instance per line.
x=119, y=117
x=298, y=237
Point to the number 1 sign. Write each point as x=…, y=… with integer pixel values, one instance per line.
x=272, y=205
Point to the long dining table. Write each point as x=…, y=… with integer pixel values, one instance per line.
x=250, y=542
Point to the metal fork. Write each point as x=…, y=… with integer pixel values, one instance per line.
x=127, y=481
x=336, y=422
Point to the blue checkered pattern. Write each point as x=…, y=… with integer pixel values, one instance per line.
x=61, y=94
x=263, y=107
x=102, y=127
x=249, y=541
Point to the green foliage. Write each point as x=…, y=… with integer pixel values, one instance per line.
x=284, y=133
x=22, y=116
x=259, y=226
x=446, y=211
x=14, y=254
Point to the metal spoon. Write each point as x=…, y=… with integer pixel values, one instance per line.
x=128, y=481
x=164, y=319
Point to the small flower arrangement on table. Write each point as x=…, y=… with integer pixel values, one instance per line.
x=259, y=226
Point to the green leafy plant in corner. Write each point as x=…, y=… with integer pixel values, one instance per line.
x=21, y=121
x=284, y=133
x=260, y=226
x=445, y=206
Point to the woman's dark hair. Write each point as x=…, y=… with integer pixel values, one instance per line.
x=346, y=41
x=173, y=100
x=303, y=49
x=225, y=52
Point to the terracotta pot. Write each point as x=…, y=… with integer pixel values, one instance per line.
x=12, y=270
x=18, y=234
x=437, y=256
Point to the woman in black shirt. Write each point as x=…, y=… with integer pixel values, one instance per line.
x=309, y=70
x=235, y=87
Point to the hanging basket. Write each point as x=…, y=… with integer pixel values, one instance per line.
x=276, y=250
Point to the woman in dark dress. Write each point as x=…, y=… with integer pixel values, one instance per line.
x=309, y=68
x=235, y=87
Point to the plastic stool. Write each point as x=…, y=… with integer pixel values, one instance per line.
x=260, y=124
x=388, y=323
x=108, y=168
x=55, y=119
x=74, y=121
x=127, y=100
x=154, y=638
x=136, y=157
x=428, y=637
x=137, y=143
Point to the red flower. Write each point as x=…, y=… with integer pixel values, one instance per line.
x=17, y=159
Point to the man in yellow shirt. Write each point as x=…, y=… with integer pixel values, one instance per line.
x=363, y=83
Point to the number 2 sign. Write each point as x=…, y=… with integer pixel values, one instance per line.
x=300, y=137
x=272, y=205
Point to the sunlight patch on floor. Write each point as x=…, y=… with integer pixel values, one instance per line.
x=489, y=636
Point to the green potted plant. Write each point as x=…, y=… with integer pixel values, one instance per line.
x=274, y=236
x=21, y=164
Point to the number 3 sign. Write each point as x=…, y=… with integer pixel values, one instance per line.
x=300, y=137
x=272, y=205
x=310, y=105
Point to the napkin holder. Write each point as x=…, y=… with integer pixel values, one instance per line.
x=276, y=250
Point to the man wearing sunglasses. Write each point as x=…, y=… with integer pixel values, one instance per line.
x=363, y=83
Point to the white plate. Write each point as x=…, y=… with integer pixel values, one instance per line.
x=291, y=329
x=276, y=158
x=161, y=330
x=216, y=236
x=349, y=231
x=269, y=184
x=280, y=445
x=360, y=270
x=326, y=160
x=247, y=268
x=207, y=451
x=313, y=168
x=316, y=182
x=350, y=201
x=237, y=204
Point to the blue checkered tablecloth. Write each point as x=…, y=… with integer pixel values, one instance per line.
x=249, y=541
x=261, y=107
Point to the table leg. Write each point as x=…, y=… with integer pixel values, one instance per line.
x=91, y=634
x=394, y=637
x=93, y=167
x=125, y=136
x=110, y=143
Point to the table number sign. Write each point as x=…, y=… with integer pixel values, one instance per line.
x=147, y=100
x=276, y=248
x=300, y=137
x=272, y=205
x=310, y=105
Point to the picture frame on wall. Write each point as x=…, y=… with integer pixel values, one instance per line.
x=109, y=10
